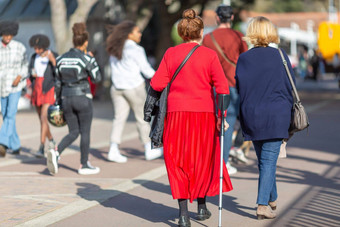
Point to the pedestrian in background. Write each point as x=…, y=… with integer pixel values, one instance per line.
x=191, y=142
x=13, y=67
x=73, y=93
x=336, y=67
x=128, y=66
x=42, y=75
x=303, y=62
x=315, y=64
x=229, y=41
x=266, y=103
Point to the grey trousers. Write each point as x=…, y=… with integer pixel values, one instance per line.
x=122, y=101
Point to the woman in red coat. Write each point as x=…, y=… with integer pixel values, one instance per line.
x=191, y=143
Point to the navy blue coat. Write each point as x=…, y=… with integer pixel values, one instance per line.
x=265, y=94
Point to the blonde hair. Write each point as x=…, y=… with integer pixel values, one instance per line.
x=261, y=31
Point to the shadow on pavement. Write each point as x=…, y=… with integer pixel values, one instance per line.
x=309, y=178
x=155, y=186
x=130, y=153
x=104, y=110
x=130, y=204
x=318, y=205
x=228, y=201
x=47, y=172
x=318, y=161
x=68, y=168
x=100, y=154
x=133, y=153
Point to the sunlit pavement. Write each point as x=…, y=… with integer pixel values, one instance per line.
x=137, y=193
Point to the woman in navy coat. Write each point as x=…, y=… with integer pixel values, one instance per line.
x=266, y=104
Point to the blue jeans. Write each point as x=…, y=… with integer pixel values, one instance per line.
x=267, y=152
x=232, y=113
x=8, y=132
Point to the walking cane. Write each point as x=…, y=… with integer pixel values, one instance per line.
x=223, y=103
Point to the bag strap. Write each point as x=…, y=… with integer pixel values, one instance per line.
x=183, y=62
x=219, y=49
x=289, y=76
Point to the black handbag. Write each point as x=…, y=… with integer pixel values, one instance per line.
x=155, y=107
x=299, y=120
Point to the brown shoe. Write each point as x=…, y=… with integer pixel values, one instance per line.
x=264, y=211
x=273, y=205
x=2, y=150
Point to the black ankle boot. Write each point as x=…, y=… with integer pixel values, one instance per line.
x=184, y=221
x=203, y=214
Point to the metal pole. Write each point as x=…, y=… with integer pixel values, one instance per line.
x=223, y=103
x=221, y=172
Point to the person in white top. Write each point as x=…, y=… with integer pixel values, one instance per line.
x=128, y=66
x=42, y=75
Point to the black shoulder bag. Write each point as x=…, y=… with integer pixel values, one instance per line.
x=156, y=107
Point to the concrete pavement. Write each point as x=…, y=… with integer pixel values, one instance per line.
x=137, y=193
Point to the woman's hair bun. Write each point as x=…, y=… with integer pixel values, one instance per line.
x=189, y=14
x=191, y=25
x=79, y=28
x=80, y=35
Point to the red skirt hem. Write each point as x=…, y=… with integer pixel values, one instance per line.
x=192, y=155
x=38, y=97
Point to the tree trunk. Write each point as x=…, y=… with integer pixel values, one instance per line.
x=59, y=23
x=63, y=30
x=164, y=39
x=167, y=20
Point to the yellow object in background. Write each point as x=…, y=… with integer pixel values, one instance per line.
x=329, y=40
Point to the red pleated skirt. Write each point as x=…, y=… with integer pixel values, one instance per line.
x=192, y=155
x=38, y=97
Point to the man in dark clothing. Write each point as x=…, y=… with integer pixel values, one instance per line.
x=229, y=45
x=315, y=63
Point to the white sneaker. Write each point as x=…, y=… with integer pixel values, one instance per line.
x=88, y=169
x=231, y=170
x=52, y=161
x=114, y=154
x=238, y=154
x=232, y=152
x=151, y=154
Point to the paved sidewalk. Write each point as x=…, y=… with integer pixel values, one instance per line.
x=308, y=185
x=137, y=193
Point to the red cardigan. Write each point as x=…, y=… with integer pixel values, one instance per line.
x=192, y=89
